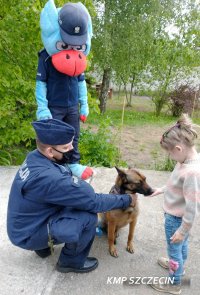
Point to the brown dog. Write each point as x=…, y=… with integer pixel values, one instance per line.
x=128, y=181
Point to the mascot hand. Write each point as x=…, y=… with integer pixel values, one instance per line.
x=84, y=111
x=43, y=114
x=83, y=118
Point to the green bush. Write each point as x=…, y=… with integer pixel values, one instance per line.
x=20, y=41
x=97, y=148
x=167, y=165
x=5, y=158
x=14, y=155
x=182, y=100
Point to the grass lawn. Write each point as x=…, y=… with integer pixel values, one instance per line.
x=141, y=113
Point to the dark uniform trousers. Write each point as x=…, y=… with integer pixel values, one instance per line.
x=69, y=115
x=77, y=230
x=74, y=228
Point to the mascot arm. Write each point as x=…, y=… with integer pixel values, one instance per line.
x=83, y=100
x=42, y=111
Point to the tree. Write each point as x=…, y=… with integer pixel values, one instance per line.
x=123, y=32
x=135, y=33
x=173, y=53
x=131, y=39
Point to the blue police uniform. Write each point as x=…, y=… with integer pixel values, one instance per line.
x=45, y=193
x=62, y=96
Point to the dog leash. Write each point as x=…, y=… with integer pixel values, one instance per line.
x=50, y=240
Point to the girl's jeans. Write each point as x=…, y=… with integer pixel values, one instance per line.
x=176, y=251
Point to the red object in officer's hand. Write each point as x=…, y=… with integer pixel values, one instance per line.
x=69, y=62
x=83, y=118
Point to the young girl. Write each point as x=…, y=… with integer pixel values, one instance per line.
x=181, y=199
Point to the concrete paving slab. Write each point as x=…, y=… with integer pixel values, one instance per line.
x=22, y=272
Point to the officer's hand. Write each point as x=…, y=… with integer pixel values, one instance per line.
x=134, y=200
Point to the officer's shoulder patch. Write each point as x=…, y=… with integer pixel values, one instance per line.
x=75, y=181
x=24, y=171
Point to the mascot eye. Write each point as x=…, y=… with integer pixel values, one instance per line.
x=84, y=47
x=61, y=45
x=65, y=46
x=79, y=47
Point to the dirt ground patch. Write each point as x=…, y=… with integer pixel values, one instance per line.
x=139, y=146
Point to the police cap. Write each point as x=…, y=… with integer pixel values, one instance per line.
x=53, y=131
x=73, y=21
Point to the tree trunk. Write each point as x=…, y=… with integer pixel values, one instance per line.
x=160, y=102
x=119, y=91
x=131, y=93
x=126, y=93
x=104, y=90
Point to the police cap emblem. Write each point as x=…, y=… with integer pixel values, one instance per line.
x=77, y=30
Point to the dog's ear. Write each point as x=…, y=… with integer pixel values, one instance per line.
x=131, y=167
x=120, y=172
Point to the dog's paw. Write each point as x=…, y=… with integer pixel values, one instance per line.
x=130, y=248
x=113, y=252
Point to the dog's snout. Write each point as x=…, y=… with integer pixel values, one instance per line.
x=149, y=192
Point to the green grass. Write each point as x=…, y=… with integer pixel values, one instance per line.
x=131, y=118
x=140, y=114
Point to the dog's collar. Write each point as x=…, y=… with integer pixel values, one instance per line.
x=116, y=190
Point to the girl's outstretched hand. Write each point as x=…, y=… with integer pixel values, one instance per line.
x=157, y=191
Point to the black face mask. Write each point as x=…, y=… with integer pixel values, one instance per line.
x=66, y=159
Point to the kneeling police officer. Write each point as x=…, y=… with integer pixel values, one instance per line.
x=48, y=206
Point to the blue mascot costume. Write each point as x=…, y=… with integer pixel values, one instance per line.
x=61, y=90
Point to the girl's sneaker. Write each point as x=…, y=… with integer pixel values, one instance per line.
x=167, y=288
x=164, y=262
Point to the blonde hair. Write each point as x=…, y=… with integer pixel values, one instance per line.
x=182, y=132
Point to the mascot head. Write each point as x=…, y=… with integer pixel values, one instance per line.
x=66, y=35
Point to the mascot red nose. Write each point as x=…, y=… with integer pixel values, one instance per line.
x=70, y=62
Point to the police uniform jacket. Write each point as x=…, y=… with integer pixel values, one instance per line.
x=41, y=188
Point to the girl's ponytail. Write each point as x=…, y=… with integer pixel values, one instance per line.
x=182, y=132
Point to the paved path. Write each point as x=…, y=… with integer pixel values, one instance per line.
x=24, y=273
